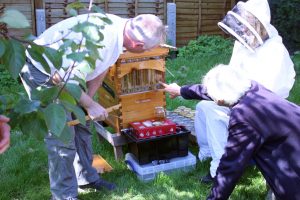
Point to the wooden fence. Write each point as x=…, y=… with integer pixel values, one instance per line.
x=55, y=9
x=198, y=17
x=193, y=17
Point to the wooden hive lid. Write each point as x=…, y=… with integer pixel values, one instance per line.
x=159, y=51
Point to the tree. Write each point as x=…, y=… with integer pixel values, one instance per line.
x=46, y=110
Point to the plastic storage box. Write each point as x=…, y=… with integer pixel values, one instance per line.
x=149, y=171
x=159, y=148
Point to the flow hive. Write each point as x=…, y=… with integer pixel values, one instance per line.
x=132, y=82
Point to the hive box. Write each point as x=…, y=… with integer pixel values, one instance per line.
x=149, y=171
x=133, y=82
x=159, y=148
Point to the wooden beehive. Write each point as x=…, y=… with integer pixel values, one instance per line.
x=133, y=83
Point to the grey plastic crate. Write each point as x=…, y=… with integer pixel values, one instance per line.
x=149, y=171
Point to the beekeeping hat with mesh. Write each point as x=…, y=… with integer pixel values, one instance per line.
x=247, y=23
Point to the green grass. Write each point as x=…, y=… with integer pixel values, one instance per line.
x=24, y=171
x=24, y=175
x=190, y=70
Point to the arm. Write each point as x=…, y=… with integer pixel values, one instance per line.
x=242, y=143
x=94, y=109
x=94, y=84
x=196, y=91
x=4, y=133
x=173, y=89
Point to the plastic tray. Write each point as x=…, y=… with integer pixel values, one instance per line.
x=149, y=171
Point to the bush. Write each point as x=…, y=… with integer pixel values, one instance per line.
x=296, y=60
x=9, y=88
x=7, y=83
x=286, y=18
x=211, y=45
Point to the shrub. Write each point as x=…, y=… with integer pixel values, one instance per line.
x=286, y=19
x=212, y=45
x=296, y=60
x=7, y=83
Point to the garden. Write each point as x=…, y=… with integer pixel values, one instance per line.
x=24, y=167
x=24, y=170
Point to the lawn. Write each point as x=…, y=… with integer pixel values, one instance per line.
x=24, y=171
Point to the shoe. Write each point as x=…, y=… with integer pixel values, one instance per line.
x=99, y=185
x=207, y=179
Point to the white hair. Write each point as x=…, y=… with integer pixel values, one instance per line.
x=148, y=29
x=225, y=82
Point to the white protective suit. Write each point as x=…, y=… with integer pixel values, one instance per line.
x=269, y=64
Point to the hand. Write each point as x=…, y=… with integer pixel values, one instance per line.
x=96, y=111
x=4, y=133
x=173, y=89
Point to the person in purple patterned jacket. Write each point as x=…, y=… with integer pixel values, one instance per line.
x=262, y=126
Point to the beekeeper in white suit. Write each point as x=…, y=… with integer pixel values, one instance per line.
x=260, y=53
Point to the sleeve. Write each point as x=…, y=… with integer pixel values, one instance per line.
x=196, y=91
x=281, y=71
x=242, y=143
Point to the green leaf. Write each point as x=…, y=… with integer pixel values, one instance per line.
x=15, y=119
x=47, y=95
x=30, y=37
x=84, y=67
x=66, y=135
x=75, y=5
x=36, y=53
x=7, y=101
x=2, y=47
x=14, y=57
x=54, y=56
x=74, y=90
x=67, y=43
x=93, y=50
x=78, y=28
x=34, y=124
x=81, y=82
x=77, y=56
x=96, y=9
x=89, y=30
x=106, y=20
x=78, y=112
x=14, y=19
x=72, y=12
x=56, y=118
x=65, y=96
x=26, y=106
x=101, y=36
x=92, y=62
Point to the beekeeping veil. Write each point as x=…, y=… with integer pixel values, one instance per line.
x=247, y=22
